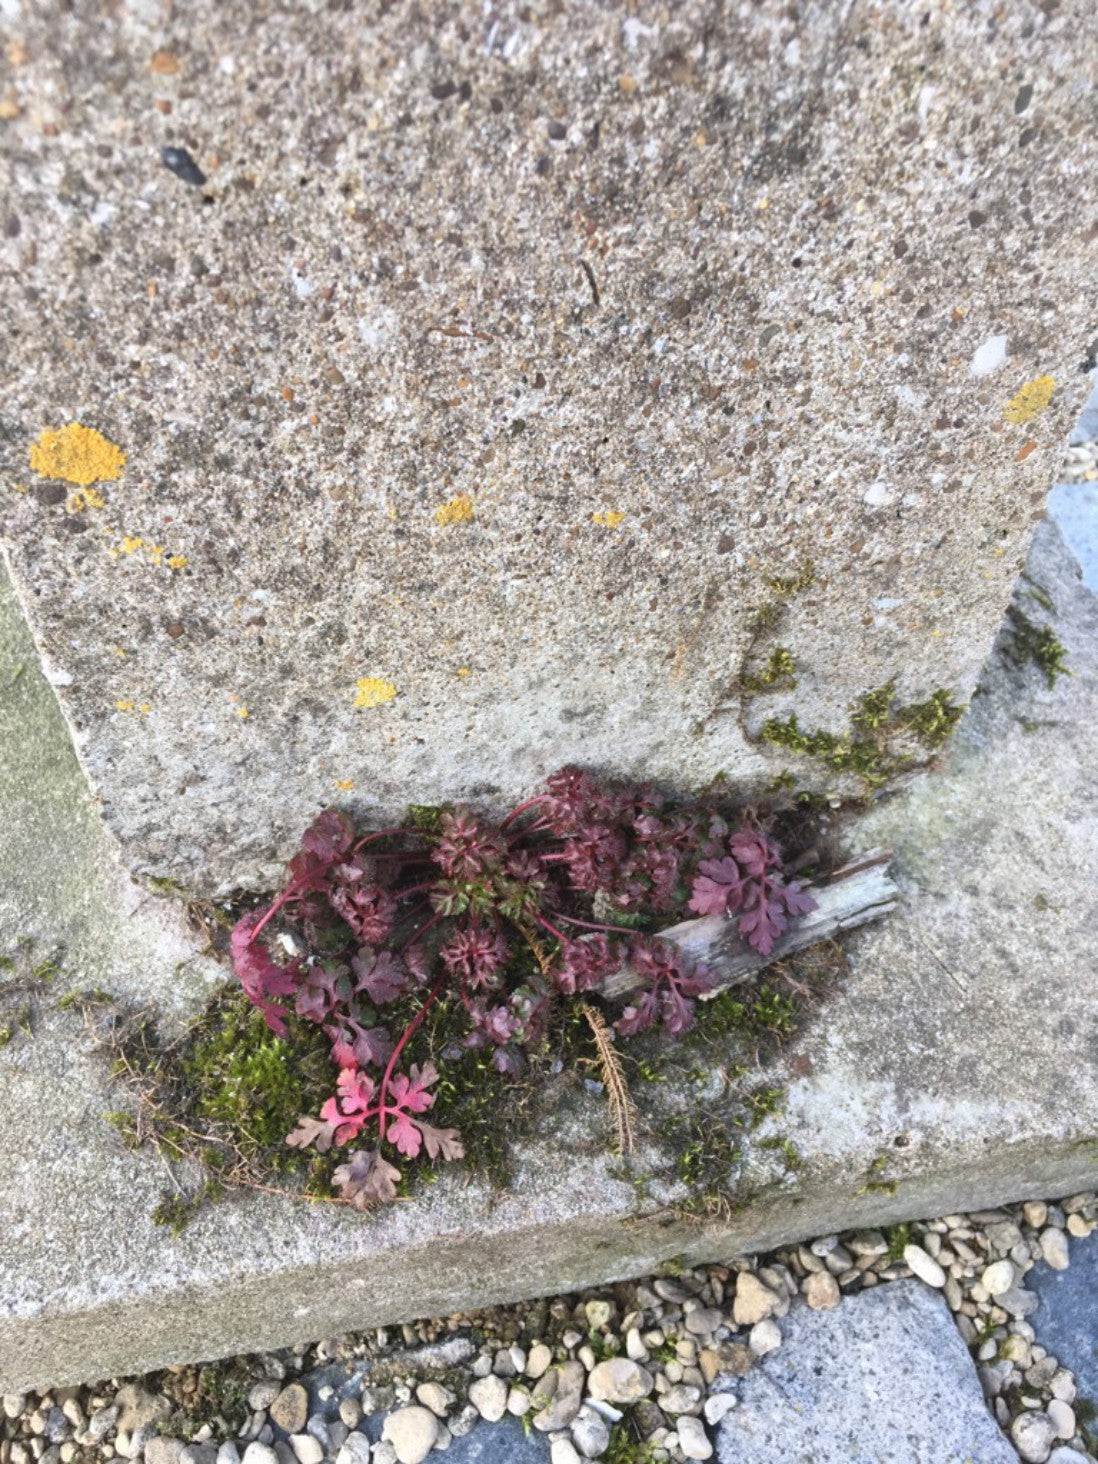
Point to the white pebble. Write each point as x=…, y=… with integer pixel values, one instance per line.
x=1054, y=1248
x=693, y=1440
x=489, y=1397
x=765, y=1337
x=998, y=1278
x=1062, y=1416
x=925, y=1267
x=412, y=1432
x=717, y=1405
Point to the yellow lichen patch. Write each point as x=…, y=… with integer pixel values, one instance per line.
x=609, y=518
x=85, y=498
x=242, y=713
x=459, y=510
x=1031, y=401
x=123, y=704
x=134, y=544
x=77, y=454
x=9, y=107
x=345, y=785
x=373, y=691
x=144, y=707
x=464, y=671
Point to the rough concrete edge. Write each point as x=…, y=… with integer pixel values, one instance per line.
x=165, y=1325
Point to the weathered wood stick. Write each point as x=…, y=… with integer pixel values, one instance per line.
x=857, y=893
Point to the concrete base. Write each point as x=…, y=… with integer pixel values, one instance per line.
x=958, y=1069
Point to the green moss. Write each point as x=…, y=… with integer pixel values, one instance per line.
x=425, y=818
x=899, y=1238
x=1031, y=644
x=779, y=674
x=932, y=721
x=784, y=586
x=867, y=750
x=626, y=1446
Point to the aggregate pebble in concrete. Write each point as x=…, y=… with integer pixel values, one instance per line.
x=908, y=1388
x=673, y=302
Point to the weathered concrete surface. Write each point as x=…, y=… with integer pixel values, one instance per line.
x=827, y=247
x=64, y=896
x=884, y=1376
x=957, y=1069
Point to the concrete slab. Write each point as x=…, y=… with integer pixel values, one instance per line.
x=504, y=366
x=958, y=1070
x=884, y=1376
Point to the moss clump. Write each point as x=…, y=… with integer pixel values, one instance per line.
x=785, y=586
x=867, y=750
x=777, y=675
x=239, y=1074
x=1037, y=645
x=626, y=1446
x=932, y=721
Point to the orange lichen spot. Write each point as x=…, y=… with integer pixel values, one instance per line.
x=459, y=510
x=627, y=84
x=76, y=454
x=177, y=561
x=608, y=518
x=1024, y=451
x=9, y=107
x=85, y=498
x=373, y=691
x=345, y=785
x=130, y=545
x=1031, y=401
x=163, y=63
x=17, y=53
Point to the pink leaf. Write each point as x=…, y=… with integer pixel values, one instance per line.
x=404, y=1133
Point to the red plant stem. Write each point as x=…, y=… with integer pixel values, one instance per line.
x=415, y=889
x=589, y=925
x=541, y=920
x=536, y=827
x=288, y=894
x=530, y=803
x=432, y=997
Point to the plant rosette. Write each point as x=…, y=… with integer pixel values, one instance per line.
x=499, y=921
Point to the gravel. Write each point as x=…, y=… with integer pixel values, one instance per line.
x=655, y=1358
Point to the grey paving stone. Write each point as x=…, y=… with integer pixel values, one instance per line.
x=883, y=1378
x=1074, y=506
x=1066, y=1321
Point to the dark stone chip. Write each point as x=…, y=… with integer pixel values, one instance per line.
x=179, y=160
x=557, y=131
x=50, y=494
x=443, y=90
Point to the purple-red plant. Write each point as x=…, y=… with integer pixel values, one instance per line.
x=500, y=922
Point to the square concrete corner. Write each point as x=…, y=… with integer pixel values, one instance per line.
x=955, y=1069
x=498, y=390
